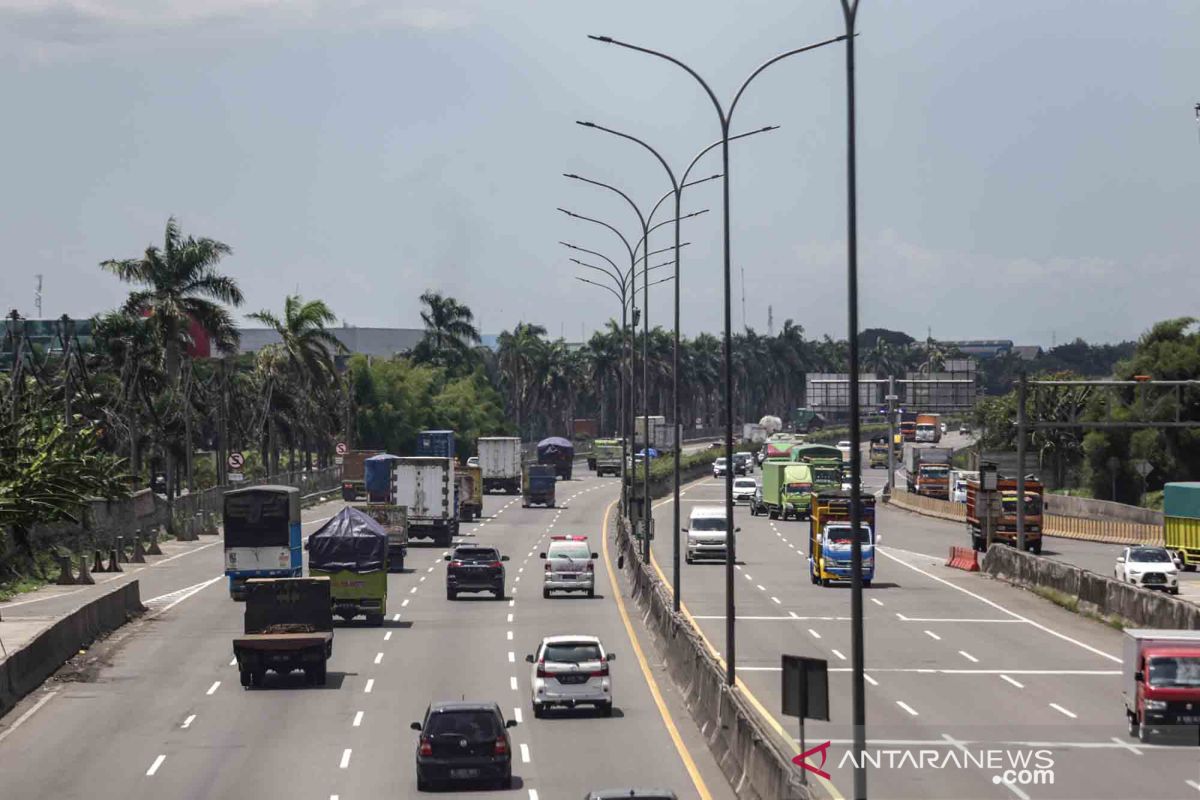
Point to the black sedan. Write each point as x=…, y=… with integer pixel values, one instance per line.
x=475, y=569
x=464, y=741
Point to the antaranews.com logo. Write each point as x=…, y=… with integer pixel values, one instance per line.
x=1019, y=766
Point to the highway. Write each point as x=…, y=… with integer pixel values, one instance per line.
x=160, y=713
x=955, y=662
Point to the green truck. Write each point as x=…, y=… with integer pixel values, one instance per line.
x=1181, y=521
x=606, y=457
x=351, y=551
x=786, y=489
x=826, y=463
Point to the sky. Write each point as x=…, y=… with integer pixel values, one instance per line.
x=1028, y=169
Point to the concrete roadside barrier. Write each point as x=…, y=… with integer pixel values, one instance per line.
x=66, y=573
x=153, y=549
x=85, y=575
x=114, y=562
x=964, y=558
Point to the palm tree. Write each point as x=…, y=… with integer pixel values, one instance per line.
x=449, y=331
x=520, y=357
x=179, y=286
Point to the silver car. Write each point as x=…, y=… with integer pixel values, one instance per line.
x=570, y=671
x=570, y=566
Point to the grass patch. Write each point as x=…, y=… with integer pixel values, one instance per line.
x=19, y=585
x=1071, y=603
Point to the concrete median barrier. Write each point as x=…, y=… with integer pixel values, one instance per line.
x=1090, y=592
x=27, y=666
x=755, y=758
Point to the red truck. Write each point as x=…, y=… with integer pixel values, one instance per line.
x=354, y=484
x=1160, y=682
x=1005, y=530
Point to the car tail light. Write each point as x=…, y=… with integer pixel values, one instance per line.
x=456, y=563
x=602, y=672
x=501, y=747
x=541, y=670
x=426, y=747
x=590, y=567
x=549, y=567
x=495, y=565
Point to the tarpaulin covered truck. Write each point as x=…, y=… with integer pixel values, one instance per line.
x=1181, y=521
x=500, y=460
x=377, y=477
x=1160, y=682
x=351, y=550
x=558, y=453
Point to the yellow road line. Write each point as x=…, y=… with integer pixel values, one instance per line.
x=684, y=755
x=834, y=794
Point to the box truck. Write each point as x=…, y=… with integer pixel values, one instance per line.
x=500, y=462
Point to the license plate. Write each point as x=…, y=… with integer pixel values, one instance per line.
x=572, y=679
x=1189, y=720
x=463, y=774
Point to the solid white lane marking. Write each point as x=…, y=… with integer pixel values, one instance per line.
x=512, y=657
x=1017, y=684
x=379, y=658
x=345, y=762
x=838, y=653
x=524, y=753
x=370, y=685
x=358, y=715
x=512, y=682
x=1127, y=746
x=961, y=747
x=517, y=714
x=903, y=618
x=212, y=689
x=933, y=636
x=815, y=635
x=1002, y=609
x=876, y=601
x=387, y=636
x=907, y=708
x=968, y=656
x=187, y=723
x=154, y=767
x=1062, y=710
x=870, y=680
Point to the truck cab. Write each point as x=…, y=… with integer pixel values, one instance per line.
x=831, y=539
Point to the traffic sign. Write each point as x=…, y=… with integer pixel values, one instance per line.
x=341, y=449
x=236, y=461
x=1143, y=467
x=235, y=477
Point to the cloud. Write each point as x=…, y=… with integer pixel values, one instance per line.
x=46, y=25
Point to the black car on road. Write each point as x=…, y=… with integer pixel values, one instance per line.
x=464, y=741
x=475, y=569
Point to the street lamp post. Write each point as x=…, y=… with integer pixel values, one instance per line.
x=677, y=188
x=725, y=117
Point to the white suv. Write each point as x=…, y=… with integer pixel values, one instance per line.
x=570, y=566
x=570, y=671
x=1148, y=567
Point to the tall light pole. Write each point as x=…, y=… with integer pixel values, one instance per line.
x=677, y=188
x=725, y=117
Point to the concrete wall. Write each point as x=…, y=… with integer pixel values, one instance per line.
x=1101, y=509
x=27, y=667
x=1139, y=608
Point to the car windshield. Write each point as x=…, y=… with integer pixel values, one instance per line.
x=799, y=487
x=708, y=524
x=842, y=535
x=1033, y=505
x=742, y=483
x=827, y=475
x=474, y=554
x=1178, y=671
x=572, y=550
x=476, y=726
x=1154, y=555
x=720, y=462
x=935, y=472
x=571, y=652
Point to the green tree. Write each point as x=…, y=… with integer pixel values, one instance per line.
x=449, y=331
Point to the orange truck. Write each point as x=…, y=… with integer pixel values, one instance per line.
x=354, y=483
x=929, y=428
x=1005, y=529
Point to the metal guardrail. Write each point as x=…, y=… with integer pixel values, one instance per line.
x=209, y=501
x=1092, y=530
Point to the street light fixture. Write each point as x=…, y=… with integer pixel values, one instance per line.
x=725, y=118
x=677, y=188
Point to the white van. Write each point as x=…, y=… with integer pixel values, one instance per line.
x=707, y=535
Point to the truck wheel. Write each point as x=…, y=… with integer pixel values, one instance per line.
x=545, y=594
x=866, y=584
x=825, y=582
x=1143, y=733
x=550, y=504
x=592, y=592
x=247, y=677
x=977, y=544
x=320, y=678
x=1036, y=547
x=812, y=576
x=688, y=559
x=1131, y=724
x=772, y=514
x=258, y=677
x=451, y=594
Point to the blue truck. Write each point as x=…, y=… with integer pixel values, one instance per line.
x=439, y=444
x=831, y=538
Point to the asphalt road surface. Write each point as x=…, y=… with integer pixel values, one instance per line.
x=956, y=663
x=159, y=712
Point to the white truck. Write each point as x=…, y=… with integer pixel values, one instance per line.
x=425, y=484
x=664, y=437
x=639, y=429
x=1160, y=681
x=500, y=461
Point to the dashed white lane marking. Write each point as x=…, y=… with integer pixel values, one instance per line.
x=187, y=723
x=838, y=653
x=233, y=661
x=1190, y=783
x=776, y=600
x=512, y=682
x=510, y=617
x=524, y=753
x=370, y=685
x=761, y=588
x=512, y=603
x=517, y=714
x=522, y=569
x=933, y=636
x=877, y=601
x=396, y=617
x=794, y=615
x=358, y=715
x=212, y=689
x=1017, y=684
x=870, y=680
x=517, y=579
x=379, y=658
x=154, y=767
x=968, y=656
x=512, y=657
x=510, y=638
x=413, y=590
x=345, y=762
x=815, y=635
x=907, y=708
x=1062, y=710
x=387, y=636
x=405, y=602
x=420, y=581
x=429, y=570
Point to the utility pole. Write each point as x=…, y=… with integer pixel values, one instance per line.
x=15, y=333
x=37, y=296
x=891, y=447
x=66, y=332
x=222, y=455
x=1022, y=390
